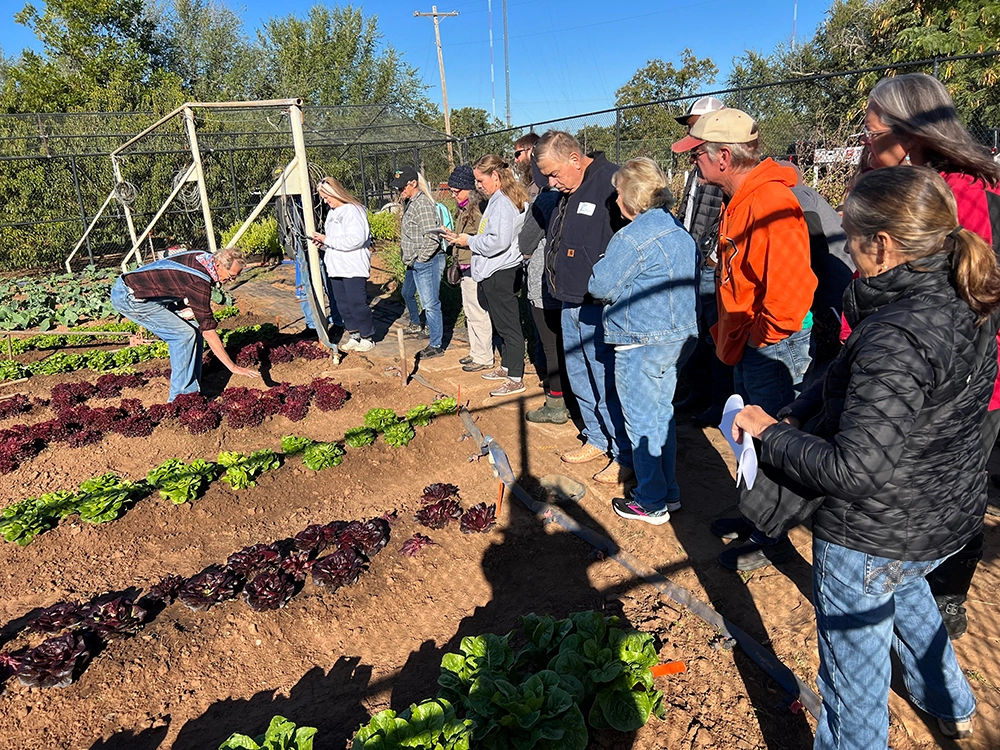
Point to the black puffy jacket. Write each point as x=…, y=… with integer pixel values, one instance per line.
x=898, y=453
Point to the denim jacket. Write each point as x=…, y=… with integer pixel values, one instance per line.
x=649, y=279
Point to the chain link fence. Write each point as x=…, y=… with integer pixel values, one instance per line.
x=814, y=122
x=55, y=173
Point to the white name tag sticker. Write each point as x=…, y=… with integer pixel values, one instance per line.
x=587, y=209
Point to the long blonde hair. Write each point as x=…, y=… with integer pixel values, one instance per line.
x=915, y=207
x=509, y=186
x=332, y=186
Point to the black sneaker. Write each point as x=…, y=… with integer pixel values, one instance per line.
x=751, y=556
x=635, y=512
x=954, y=616
x=732, y=528
x=430, y=352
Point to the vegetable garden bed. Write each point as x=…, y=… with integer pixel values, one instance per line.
x=332, y=659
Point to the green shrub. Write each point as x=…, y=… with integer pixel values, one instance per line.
x=260, y=237
x=383, y=225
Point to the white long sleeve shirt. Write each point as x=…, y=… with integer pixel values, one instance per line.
x=348, y=242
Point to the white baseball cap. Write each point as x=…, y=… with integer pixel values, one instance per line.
x=701, y=107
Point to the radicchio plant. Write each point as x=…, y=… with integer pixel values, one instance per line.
x=269, y=590
x=479, y=518
x=438, y=491
x=316, y=538
x=297, y=565
x=165, y=591
x=437, y=515
x=57, y=618
x=330, y=396
x=414, y=544
x=55, y=662
x=367, y=537
x=254, y=559
x=113, y=614
x=213, y=585
x=342, y=568
x=15, y=405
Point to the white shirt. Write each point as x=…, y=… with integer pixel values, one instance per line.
x=348, y=242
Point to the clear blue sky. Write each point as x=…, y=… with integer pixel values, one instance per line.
x=566, y=56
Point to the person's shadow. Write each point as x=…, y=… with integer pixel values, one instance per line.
x=529, y=571
x=329, y=701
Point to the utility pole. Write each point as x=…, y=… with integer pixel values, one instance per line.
x=444, y=86
x=506, y=60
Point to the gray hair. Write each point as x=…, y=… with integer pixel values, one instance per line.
x=919, y=109
x=746, y=156
x=557, y=145
x=228, y=257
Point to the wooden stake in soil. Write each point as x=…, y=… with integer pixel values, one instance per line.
x=403, y=367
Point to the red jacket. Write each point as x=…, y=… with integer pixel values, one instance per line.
x=974, y=215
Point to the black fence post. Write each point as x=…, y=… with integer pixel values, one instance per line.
x=236, y=196
x=79, y=201
x=936, y=66
x=361, y=168
x=618, y=136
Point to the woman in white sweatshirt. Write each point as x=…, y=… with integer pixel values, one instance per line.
x=347, y=241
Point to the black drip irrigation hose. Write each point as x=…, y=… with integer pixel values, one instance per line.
x=800, y=694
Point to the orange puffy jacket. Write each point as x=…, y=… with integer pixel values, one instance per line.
x=764, y=280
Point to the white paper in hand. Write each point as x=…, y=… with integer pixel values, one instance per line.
x=746, y=454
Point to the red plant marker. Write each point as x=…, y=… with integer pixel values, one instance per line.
x=499, y=498
x=670, y=667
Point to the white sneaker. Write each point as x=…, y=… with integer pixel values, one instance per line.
x=350, y=345
x=364, y=345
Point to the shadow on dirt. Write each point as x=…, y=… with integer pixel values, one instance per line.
x=329, y=701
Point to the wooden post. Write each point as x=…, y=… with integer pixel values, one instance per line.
x=403, y=367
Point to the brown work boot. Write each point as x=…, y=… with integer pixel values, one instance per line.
x=583, y=454
x=613, y=474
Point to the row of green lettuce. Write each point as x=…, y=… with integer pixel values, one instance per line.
x=107, y=497
x=104, y=360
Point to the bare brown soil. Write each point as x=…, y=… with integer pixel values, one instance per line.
x=190, y=679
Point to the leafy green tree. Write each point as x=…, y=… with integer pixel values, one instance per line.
x=934, y=28
x=97, y=54
x=649, y=130
x=336, y=56
x=205, y=46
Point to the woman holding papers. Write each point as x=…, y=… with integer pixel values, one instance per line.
x=895, y=455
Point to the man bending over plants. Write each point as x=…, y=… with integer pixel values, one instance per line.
x=152, y=294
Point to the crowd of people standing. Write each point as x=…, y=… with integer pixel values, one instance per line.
x=863, y=342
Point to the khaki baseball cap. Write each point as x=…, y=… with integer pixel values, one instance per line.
x=724, y=126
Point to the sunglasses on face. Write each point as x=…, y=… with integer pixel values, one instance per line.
x=519, y=151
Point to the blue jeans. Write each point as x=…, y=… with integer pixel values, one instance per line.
x=409, y=292
x=590, y=367
x=301, y=282
x=771, y=377
x=427, y=277
x=646, y=378
x=183, y=338
x=865, y=607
